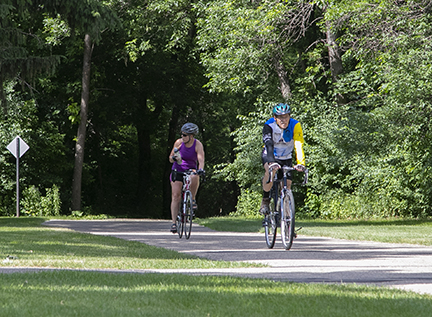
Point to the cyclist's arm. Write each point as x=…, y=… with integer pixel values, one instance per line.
x=268, y=142
x=177, y=144
x=298, y=144
x=200, y=154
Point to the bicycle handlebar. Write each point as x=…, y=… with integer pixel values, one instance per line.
x=199, y=172
x=288, y=169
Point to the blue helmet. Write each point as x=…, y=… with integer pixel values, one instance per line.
x=280, y=109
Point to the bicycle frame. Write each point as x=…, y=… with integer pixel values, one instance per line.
x=185, y=213
x=283, y=209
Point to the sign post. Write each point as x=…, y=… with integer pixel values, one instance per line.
x=17, y=147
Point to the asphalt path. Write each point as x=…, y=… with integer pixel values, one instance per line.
x=310, y=260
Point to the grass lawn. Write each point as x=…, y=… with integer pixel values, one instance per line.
x=72, y=293
x=24, y=242
x=389, y=231
x=91, y=293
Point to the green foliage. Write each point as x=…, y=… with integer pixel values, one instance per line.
x=240, y=41
x=43, y=164
x=368, y=156
x=364, y=166
x=248, y=204
x=246, y=168
x=36, y=205
x=56, y=29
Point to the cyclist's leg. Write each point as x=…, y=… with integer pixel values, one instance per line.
x=266, y=186
x=270, y=220
x=265, y=202
x=176, y=188
x=289, y=176
x=195, y=182
x=289, y=182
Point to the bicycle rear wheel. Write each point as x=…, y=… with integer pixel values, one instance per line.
x=179, y=220
x=270, y=225
x=188, y=215
x=288, y=220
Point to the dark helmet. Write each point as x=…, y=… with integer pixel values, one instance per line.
x=190, y=128
x=280, y=109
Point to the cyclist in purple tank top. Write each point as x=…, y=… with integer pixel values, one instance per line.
x=187, y=153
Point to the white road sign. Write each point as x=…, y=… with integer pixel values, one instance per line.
x=18, y=149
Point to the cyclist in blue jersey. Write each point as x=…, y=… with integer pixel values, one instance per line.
x=281, y=136
x=187, y=153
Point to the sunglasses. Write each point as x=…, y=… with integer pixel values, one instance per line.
x=183, y=134
x=283, y=118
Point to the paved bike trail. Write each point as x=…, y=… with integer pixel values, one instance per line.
x=311, y=259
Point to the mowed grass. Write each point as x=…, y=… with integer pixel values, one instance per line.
x=24, y=242
x=75, y=293
x=86, y=292
x=389, y=230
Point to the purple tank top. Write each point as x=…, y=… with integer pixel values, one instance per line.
x=189, y=158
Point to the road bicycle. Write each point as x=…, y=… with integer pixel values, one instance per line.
x=186, y=213
x=282, y=208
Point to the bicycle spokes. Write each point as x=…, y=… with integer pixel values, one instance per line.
x=188, y=215
x=288, y=223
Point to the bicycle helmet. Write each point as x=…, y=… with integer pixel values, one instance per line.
x=281, y=109
x=190, y=128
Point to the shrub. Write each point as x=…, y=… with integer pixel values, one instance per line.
x=34, y=204
x=248, y=204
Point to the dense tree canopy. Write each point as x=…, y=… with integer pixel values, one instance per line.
x=355, y=72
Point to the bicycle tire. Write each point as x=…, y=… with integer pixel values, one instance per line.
x=188, y=215
x=288, y=221
x=270, y=225
x=179, y=220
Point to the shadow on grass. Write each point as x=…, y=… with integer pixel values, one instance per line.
x=46, y=242
x=21, y=221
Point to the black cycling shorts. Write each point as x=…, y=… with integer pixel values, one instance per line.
x=176, y=176
x=287, y=162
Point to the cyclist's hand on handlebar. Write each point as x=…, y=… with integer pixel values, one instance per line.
x=274, y=166
x=201, y=172
x=300, y=168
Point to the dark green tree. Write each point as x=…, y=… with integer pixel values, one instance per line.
x=23, y=55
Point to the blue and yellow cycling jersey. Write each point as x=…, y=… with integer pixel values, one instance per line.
x=280, y=143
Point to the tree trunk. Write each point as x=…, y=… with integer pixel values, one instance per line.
x=335, y=59
x=172, y=131
x=283, y=79
x=81, y=134
x=144, y=168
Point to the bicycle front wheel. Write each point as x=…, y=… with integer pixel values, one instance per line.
x=188, y=215
x=288, y=220
x=179, y=220
x=270, y=225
